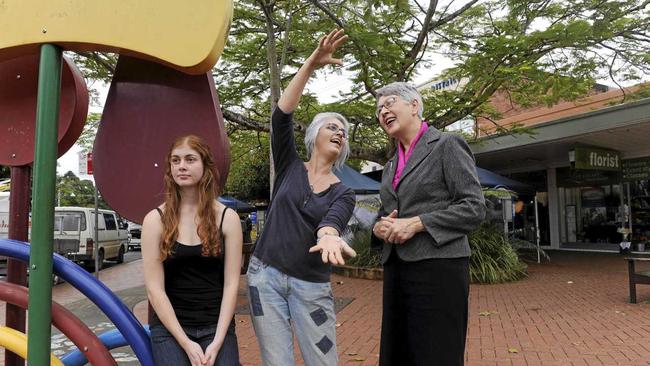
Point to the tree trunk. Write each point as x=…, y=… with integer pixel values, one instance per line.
x=274, y=71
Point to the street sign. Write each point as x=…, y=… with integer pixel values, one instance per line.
x=89, y=163
x=86, y=163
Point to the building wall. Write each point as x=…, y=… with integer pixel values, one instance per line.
x=513, y=114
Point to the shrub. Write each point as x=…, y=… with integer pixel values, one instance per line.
x=493, y=259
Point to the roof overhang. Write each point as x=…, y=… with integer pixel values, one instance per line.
x=624, y=128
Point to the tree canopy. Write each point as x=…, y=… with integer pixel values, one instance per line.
x=72, y=191
x=538, y=52
x=534, y=51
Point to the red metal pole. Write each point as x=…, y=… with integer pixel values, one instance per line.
x=19, y=201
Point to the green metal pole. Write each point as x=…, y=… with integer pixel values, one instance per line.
x=43, y=187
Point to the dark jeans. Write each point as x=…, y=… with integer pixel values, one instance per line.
x=167, y=351
x=424, y=321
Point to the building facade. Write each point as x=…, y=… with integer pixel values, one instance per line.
x=589, y=162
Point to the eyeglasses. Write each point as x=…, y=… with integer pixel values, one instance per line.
x=388, y=103
x=335, y=128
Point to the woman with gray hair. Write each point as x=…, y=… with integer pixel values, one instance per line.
x=289, y=272
x=430, y=200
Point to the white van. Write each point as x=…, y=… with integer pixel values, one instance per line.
x=74, y=233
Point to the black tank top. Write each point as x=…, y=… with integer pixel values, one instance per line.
x=194, y=283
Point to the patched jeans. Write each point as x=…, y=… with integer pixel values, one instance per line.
x=278, y=301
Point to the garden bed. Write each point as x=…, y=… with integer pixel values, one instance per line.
x=359, y=272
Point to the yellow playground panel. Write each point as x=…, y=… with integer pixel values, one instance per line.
x=188, y=36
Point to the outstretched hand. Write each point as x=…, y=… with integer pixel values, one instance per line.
x=324, y=53
x=332, y=248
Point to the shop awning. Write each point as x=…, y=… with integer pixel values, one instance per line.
x=624, y=128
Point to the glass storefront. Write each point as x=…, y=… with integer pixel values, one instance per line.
x=639, y=193
x=592, y=214
x=596, y=206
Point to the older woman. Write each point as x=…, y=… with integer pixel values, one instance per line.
x=431, y=199
x=289, y=273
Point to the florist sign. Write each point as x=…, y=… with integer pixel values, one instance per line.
x=587, y=158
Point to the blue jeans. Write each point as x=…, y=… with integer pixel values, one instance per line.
x=167, y=351
x=278, y=301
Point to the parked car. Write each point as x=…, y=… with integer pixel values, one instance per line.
x=74, y=235
x=135, y=230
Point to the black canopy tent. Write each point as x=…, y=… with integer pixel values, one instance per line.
x=358, y=182
x=489, y=179
x=237, y=205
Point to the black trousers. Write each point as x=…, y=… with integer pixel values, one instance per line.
x=424, y=321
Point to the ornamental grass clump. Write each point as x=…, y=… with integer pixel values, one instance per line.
x=366, y=256
x=493, y=259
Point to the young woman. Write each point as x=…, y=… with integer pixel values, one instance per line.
x=191, y=248
x=289, y=273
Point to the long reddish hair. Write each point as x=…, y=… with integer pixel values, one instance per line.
x=209, y=190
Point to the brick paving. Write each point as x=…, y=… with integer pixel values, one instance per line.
x=573, y=310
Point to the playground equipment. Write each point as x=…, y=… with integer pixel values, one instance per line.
x=16, y=342
x=19, y=78
x=188, y=37
x=111, y=339
x=165, y=103
x=96, y=292
x=160, y=34
x=65, y=321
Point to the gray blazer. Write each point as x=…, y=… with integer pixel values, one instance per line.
x=440, y=185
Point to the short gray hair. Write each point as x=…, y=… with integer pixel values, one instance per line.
x=312, y=131
x=403, y=90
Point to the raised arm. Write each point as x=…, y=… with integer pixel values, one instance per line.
x=322, y=55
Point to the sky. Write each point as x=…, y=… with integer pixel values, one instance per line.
x=70, y=160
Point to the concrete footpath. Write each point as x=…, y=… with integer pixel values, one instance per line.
x=571, y=311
